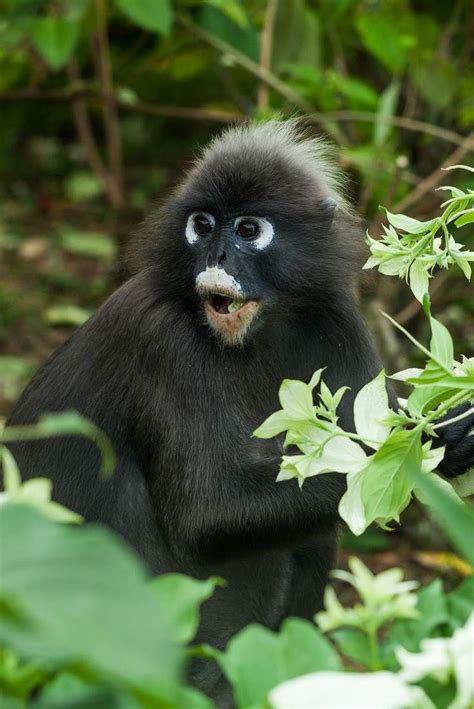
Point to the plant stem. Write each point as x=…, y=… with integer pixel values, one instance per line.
x=465, y=414
x=450, y=403
x=375, y=662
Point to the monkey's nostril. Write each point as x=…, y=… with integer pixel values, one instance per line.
x=209, y=259
x=221, y=258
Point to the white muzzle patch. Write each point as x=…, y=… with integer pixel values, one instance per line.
x=216, y=279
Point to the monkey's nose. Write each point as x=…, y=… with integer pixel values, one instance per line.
x=218, y=259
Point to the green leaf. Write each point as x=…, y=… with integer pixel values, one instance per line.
x=296, y=36
x=464, y=484
x=274, y=424
x=459, y=603
x=153, y=15
x=66, y=315
x=55, y=38
x=65, y=423
x=181, y=596
x=455, y=517
x=354, y=644
x=441, y=344
x=67, y=690
x=466, y=218
x=351, y=507
x=371, y=409
x=245, y=39
x=387, y=107
x=88, y=244
x=233, y=9
x=385, y=37
x=455, y=383
x=432, y=618
x=387, y=481
x=82, y=597
x=419, y=279
x=296, y=399
x=14, y=372
x=256, y=660
x=82, y=186
x=408, y=224
x=11, y=473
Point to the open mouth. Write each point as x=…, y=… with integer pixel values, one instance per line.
x=225, y=305
x=229, y=314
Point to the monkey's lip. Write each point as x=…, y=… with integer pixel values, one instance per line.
x=231, y=325
x=229, y=306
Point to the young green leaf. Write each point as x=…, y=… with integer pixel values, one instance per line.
x=419, y=279
x=296, y=399
x=389, y=478
x=370, y=411
x=274, y=424
x=441, y=345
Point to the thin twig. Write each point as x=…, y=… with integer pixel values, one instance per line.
x=78, y=91
x=466, y=143
x=84, y=130
x=267, y=77
x=266, y=41
x=111, y=121
x=436, y=177
x=445, y=134
x=455, y=419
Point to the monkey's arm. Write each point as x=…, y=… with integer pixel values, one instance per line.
x=458, y=438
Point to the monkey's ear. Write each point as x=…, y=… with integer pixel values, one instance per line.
x=326, y=208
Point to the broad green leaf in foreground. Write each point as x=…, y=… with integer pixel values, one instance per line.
x=65, y=423
x=181, y=596
x=79, y=595
x=454, y=516
x=35, y=492
x=256, y=659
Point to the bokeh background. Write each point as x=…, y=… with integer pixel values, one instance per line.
x=104, y=103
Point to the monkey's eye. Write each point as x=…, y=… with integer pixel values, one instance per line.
x=257, y=230
x=248, y=230
x=202, y=225
x=199, y=224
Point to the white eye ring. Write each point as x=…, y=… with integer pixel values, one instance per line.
x=266, y=231
x=191, y=235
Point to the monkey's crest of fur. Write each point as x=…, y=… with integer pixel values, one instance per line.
x=288, y=140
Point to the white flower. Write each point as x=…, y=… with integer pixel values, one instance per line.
x=345, y=690
x=441, y=658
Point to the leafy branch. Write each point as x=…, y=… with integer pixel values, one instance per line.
x=424, y=246
x=401, y=460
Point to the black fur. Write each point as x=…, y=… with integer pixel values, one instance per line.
x=193, y=491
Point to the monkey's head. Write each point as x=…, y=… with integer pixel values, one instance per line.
x=255, y=232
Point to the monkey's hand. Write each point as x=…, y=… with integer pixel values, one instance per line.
x=458, y=438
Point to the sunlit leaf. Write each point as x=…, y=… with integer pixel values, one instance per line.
x=154, y=15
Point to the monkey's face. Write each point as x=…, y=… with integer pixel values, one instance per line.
x=227, y=279
x=248, y=240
